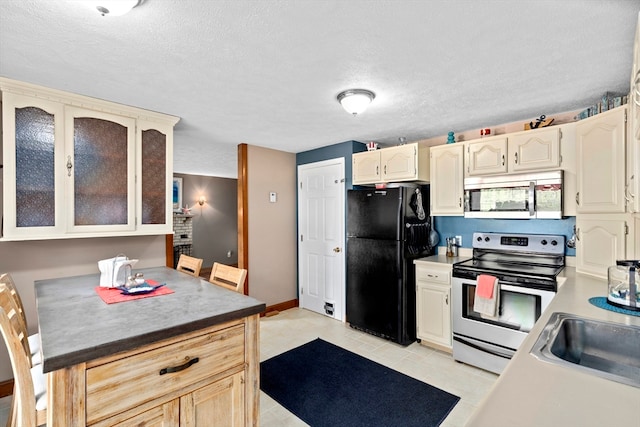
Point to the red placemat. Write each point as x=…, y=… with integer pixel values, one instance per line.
x=113, y=295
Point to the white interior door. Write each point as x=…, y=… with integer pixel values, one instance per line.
x=321, y=216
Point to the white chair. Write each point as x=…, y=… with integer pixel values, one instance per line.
x=33, y=341
x=228, y=277
x=29, y=407
x=190, y=265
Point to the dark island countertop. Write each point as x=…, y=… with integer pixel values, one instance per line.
x=77, y=326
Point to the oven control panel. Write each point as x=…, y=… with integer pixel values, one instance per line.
x=541, y=243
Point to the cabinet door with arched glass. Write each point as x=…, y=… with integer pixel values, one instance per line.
x=33, y=153
x=100, y=171
x=154, y=157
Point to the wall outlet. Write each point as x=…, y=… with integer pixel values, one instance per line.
x=459, y=241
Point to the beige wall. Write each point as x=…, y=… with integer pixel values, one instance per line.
x=36, y=260
x=272, y=226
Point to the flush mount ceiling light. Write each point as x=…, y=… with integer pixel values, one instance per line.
x=355, y=101
x=115, y=7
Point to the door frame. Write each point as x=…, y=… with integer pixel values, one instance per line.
x=323, y=163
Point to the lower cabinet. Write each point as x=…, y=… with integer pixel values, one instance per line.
x=219, y=403
x=433, y=304
x=602, y=239
x=195, y=380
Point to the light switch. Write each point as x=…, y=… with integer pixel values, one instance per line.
x=273, y=197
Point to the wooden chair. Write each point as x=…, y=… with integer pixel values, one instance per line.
x=190, y=265
x=29, y=407
x=33, y=341
x=228, y=277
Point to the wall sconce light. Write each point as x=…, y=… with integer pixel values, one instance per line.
x=355, y=101
x=115, y=7
x=202, y=200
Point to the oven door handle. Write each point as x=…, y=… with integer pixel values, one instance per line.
x=522, y=289
x=532, y=199
x=482, y=349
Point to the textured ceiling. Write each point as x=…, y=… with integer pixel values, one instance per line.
x=267, y=72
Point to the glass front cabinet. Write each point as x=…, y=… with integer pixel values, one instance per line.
x=79, y=167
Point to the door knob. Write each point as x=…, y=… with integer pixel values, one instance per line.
x=336, y=250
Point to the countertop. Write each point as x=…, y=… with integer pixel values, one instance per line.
x=77, y=326
x=531, y=392
x=441, y=259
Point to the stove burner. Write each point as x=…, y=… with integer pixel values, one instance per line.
x=532, y=265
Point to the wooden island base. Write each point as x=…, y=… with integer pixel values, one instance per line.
x=213, y=374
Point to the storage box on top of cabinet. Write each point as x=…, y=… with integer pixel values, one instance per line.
x=409, y=162
x=81, y=167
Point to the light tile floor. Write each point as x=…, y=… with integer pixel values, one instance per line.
x=296, y=326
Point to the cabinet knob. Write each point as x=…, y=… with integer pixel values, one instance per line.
x=503, y=160
x=516, y=158
x=336, y=250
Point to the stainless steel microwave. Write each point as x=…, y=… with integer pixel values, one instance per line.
x=527, y=196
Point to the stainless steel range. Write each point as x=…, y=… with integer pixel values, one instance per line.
x=526, y=267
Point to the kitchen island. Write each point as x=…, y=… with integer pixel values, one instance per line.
x=183, y=358
x=531, y=392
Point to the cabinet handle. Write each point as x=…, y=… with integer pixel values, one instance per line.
x=172, y=369
x=516, y=158
x=578, y=198
x=446, y=299
x=503, y=160
x=460, y=202
x=385, y=169
x=377, y=170
x=577, y=234
x=69, y=165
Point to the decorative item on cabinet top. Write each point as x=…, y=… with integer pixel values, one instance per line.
x=64, y=167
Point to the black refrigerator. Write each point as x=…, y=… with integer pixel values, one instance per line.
x=386, y=230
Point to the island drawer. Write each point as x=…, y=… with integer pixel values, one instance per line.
x=140, y=377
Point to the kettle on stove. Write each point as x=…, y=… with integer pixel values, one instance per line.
x=624, y=284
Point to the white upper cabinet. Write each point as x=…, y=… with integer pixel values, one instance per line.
x=534, y=150
x=366, y=167
x=34, y=166
x=633, y=135
x=408, y=162
x=600, y=162
x=80, y=167
x=100, y=154
x=487, y=156
x=447, y=180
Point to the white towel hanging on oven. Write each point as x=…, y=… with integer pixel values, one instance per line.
x=487, y=296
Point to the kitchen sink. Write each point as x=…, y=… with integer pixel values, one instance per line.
x=605, y=349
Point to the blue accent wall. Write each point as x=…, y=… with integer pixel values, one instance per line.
x=448, y=226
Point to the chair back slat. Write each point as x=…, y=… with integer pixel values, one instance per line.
x=14, y=311
x=190, y=265
x=24, y=407
x=228, y=277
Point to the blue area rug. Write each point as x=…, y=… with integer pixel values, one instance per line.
x=326, y=385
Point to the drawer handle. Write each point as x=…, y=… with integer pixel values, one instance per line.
x=179, y=368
